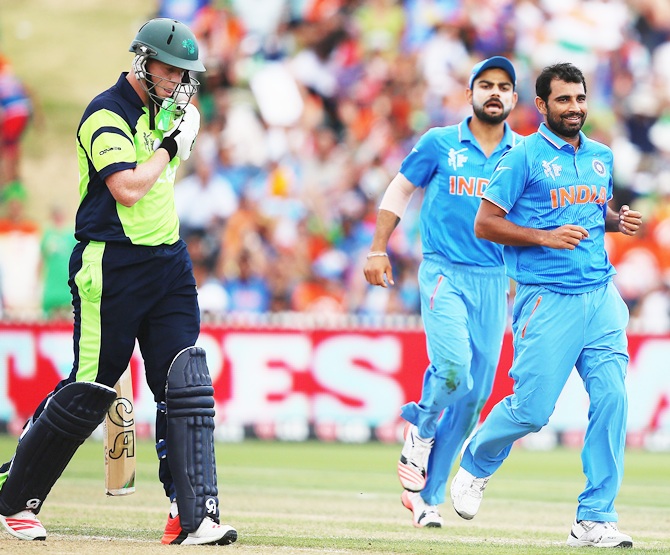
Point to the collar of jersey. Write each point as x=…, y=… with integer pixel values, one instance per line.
x=128, y=92
x=561, y=144
x=464, y=133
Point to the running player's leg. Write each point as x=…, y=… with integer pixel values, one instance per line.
x=487, y=305
x=603, y=366
x=548, y=338
x=447, y=377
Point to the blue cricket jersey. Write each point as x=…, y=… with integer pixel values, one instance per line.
x=449, y=164
x=544, y=184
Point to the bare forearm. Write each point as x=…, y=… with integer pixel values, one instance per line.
x=611, y=220
x=378, y=270
x=501, y=230
x=492, y=224
x=386, y=223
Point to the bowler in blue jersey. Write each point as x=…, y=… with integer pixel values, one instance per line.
x=547, y=203
x=462, y=282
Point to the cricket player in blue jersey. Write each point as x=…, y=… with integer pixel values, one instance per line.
x=547, y=202
x=131, y=279
x=462, y=282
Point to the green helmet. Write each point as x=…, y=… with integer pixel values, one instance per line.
x=170, y=42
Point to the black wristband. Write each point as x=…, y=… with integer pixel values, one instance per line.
x=169, y=144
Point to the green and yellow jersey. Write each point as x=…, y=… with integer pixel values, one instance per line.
x=115, y=135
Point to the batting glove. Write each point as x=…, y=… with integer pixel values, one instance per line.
x=180, y=140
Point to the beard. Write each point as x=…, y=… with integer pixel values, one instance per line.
x=484, y=116
x=559, y=126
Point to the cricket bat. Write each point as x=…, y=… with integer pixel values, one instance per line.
x=119, y=434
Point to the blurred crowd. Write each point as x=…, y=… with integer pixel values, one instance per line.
x=309, y=106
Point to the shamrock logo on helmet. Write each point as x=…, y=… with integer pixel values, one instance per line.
x=189, y=45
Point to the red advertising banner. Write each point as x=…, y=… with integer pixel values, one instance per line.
x=334, y=384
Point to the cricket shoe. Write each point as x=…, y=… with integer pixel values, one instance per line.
x=209, y=532
x=414, y=459
x=466, y=493
x=24, y=525
x=424, y=515
x=587, y=533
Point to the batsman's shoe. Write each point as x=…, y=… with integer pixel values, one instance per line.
x=209, y=532
x=414, y=459
x=24, y=525
x=587, y=533
x=424, y=515
x=466, y=493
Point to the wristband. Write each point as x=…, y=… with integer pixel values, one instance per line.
x=372, y=254
x=169, y=144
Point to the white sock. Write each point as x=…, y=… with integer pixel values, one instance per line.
x=174, y=510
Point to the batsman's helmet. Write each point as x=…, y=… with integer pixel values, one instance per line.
x=170, y=42
x=173, y=43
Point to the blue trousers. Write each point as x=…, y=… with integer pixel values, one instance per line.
x=554, y=333
x=464, y=313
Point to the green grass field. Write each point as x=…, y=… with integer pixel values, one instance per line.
x=337, y=498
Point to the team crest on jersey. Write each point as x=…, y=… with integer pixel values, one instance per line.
x=599, y=167
x=550, y=169
x=456, y=158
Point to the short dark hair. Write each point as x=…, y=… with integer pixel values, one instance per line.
x=564, y=72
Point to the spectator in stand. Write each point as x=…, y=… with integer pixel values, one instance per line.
x=248, y=291
x=19, y=256
x=213, y=300
x=205, y=199
x=323, y=292
x=182, y=10
x=55, y=248
x=16, y=110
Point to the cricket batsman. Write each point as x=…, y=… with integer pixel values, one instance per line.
x=132, y=280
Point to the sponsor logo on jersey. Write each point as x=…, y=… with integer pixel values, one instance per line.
x=456, y=158
x=578, y=194
x=110, y=149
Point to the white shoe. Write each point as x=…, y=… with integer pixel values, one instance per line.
x=207, y=533
x=24, y=525
x=424, y=515
x=414, y=459
x=466, y=493
x=597, y=534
